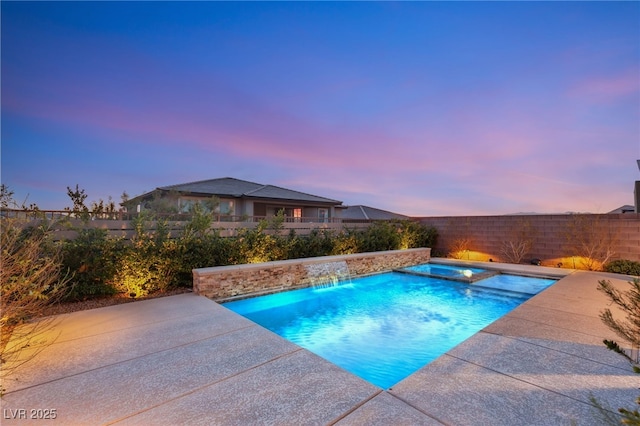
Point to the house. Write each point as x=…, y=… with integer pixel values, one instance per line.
x=357, y=213
x=240, y=198
x=624, y=209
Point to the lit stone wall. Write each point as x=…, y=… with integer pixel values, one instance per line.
x=228, y=281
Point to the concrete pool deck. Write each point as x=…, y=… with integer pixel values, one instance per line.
x=187, y=360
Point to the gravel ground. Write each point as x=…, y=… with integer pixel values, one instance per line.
x=65, y=308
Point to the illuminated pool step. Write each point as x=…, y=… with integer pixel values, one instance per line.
x=463, y=275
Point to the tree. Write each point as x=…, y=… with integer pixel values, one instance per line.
x=6, y=197
x=78, y=197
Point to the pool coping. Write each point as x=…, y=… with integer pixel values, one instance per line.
x=186, y=359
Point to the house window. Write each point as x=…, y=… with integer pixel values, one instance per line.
x=185, y=205
x=323, y=215
x=297, y=215
x=226, y=207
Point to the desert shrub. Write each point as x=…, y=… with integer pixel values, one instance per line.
x=519, y=241
x=459, y=247
x=31, y=277
x=626, y=267
x=461, y=237
x=591, y=239
x=92, y=259
x=627, y=328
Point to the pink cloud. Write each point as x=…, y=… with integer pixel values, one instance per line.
x=608, y=89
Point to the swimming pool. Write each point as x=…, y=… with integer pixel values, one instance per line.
x=384, y=327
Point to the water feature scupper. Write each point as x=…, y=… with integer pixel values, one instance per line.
x=328, y=274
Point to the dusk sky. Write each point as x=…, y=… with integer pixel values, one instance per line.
x=420, y=108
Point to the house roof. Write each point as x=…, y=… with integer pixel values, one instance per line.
x=237, y=188
x=624, y=209
x=369, y=213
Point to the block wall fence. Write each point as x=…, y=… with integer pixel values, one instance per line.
x=125, y=228
x=223, y=282
x=487, y=234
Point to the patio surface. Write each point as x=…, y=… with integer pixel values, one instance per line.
x=187, y=360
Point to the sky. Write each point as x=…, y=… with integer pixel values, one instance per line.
x=420, y=108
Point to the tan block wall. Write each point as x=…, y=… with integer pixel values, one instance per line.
x=227, y=281
x=487, y=234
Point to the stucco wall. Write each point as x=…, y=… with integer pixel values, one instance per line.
x=488, y=233
x=228, y=281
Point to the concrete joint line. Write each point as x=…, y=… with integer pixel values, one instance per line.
x=128, y=360
x=527, y=342
x=201, y=388
x=133, y=327
x=527, y=382
x=399, y=398
x=357, y=406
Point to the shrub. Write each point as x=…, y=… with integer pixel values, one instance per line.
x=265, y=242
x=626, y=267
x=414, y=235
x=347, y=242
x=317, y=243
x=591, y=239
x=208, y=250
x=628, y=329
x=154, y=261
x=385, y=235
x=459, y=247
x=519, y=241
x=93, y=259
x=148, y=263
x=380, y=236
x=31, y=278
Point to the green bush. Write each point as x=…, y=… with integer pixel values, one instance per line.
x=396, y=235
x=348, y=241
x=380, y=236
x=208, y=250
x=626, y=267
x=155, y=261
x=148, y=263
x=317, y=243
x=92, y=259
x=414, y=234
x=257, y=245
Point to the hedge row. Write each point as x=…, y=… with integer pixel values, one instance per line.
x=155, y=261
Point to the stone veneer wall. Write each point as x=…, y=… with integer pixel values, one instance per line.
x=228, y=281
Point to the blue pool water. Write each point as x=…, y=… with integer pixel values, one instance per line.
x=384, y=327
